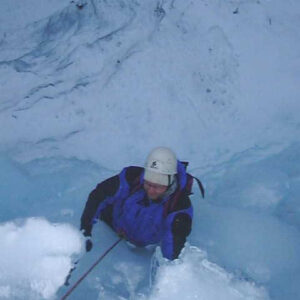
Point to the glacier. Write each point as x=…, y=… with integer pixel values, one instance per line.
x=88, y=87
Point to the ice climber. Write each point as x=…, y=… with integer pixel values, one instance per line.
x=146, y=206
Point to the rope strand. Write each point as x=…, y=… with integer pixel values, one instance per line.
x=89, y=270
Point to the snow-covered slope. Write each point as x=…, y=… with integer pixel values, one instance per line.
x=87, y=87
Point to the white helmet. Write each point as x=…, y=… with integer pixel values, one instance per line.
x=161, y=166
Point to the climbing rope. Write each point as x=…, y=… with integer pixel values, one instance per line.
x=90, y=269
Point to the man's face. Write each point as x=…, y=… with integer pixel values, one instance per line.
x=154, y=190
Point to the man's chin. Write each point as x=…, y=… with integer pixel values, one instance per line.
x=153, y=198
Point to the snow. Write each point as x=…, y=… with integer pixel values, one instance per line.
x=35, y=256
x=194, y=277
x=85, y=92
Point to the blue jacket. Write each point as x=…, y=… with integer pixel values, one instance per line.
x=122, y=203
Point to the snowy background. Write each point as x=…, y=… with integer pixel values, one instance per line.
x=88, y=87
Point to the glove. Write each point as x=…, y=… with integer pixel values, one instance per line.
x=88, y=245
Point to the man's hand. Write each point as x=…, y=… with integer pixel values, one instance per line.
x=88, y=245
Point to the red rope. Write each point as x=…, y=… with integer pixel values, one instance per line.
x=90, y=269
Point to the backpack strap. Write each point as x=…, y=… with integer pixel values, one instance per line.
x=185, y=164
x=200, y=186
x=171, y=203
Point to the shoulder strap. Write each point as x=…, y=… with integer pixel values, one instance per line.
x=185, y=164
x=200, y=186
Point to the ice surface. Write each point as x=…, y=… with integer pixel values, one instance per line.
x=88, y=87
x=90, y=74
x=253, y=221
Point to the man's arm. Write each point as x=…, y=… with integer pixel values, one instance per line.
x=178, y=226
x=103, y=190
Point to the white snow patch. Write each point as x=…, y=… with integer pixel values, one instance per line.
x=193, y=276
x=36, y=256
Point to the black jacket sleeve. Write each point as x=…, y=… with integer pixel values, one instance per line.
x=181, y=228
x=103, y=190
x=177, y=227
